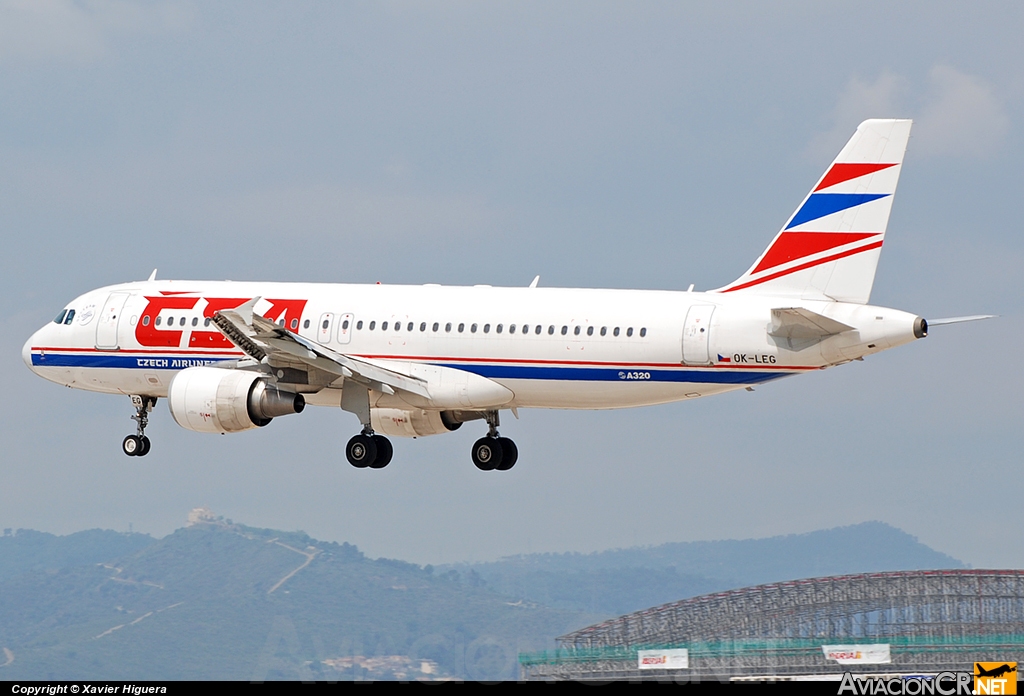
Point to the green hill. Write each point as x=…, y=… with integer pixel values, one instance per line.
x=221, y=601
x=624, y=580
x=217, y=600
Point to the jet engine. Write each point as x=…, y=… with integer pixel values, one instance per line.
x=396, y=422
x=215, y=400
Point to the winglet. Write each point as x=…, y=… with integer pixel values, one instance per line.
x=536, y=279
x=152, y=276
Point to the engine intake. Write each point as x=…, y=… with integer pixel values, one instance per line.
x=214, y=400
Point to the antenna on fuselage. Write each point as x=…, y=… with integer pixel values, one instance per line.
x=536, y=279
x=152, y=276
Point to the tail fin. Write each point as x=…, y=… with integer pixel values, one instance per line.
x=829, y=248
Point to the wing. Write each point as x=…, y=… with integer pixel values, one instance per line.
x=263, y=340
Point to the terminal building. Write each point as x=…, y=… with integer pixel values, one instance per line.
x=909, y=622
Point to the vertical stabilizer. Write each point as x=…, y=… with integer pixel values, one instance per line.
x=829, y=249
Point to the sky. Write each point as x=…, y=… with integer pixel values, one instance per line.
x=627, y=145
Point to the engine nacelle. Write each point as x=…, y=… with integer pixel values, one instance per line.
x=415, y=423
x=215, y=400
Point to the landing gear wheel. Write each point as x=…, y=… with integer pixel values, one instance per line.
x=487, y=453
x=384, y=452
x=132, y=445
x=361, y=451
x=509, y=454
x=145, y=447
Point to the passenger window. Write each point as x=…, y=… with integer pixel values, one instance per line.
x=324, y=325
x=280, y=322
x=511, y=328
x=158, y=321
x=305, y=324
x=295, y=324
x=372, y=324
x=461, y=327
x=576, y=331
x=539, y=328
x=60, y=317
x=616, y=331
x=409, y=327
x=205, y=323
x=565, y=330
x=487, y=328
x=629, y=331
x=170, y=321
x=448, y=327
x=384, y=326
x=604, y=330
x=551, y=330
x=643, y=332
x=590, y=330
x=472, y=329
x=359, y=325
x=435, y=327
x=145, y=320
x=423, y=326
x=195, y=321
x=344, y=325
x=181, y=322
x=498, y=328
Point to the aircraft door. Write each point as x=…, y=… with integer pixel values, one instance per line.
x=326, y=328
x=106, y=327
x=696, y=333
x=345, y=328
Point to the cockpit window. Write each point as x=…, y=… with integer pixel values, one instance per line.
x=69, y=318
x=60, y=317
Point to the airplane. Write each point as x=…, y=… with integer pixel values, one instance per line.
x=412, y=361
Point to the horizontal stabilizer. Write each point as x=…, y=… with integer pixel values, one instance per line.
x=960, y=320
x=801, y=328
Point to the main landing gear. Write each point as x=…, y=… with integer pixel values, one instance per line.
x=492, y=452
x=138, y=445
x=368, y=449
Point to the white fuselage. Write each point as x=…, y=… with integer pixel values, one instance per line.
x=581, y=348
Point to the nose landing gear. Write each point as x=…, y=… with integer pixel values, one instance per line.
x=492, y=452
x=138, y=445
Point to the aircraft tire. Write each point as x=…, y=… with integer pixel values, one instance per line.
x=487, y=453
x=384, y=452
x=509, y=454
x=361, y=451
x=132, y=445
x=146, y=445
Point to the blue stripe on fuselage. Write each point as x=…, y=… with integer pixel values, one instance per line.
x=500, y=371
x=148, y=362
x=611, y=374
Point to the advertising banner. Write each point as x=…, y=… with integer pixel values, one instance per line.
x=875, y=654
x=677, y=658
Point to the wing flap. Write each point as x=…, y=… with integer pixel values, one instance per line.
x=260, y=338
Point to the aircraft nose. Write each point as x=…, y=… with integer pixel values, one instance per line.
x=26, y=350
x=26, y=353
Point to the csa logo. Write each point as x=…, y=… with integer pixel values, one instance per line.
x=995, y=677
